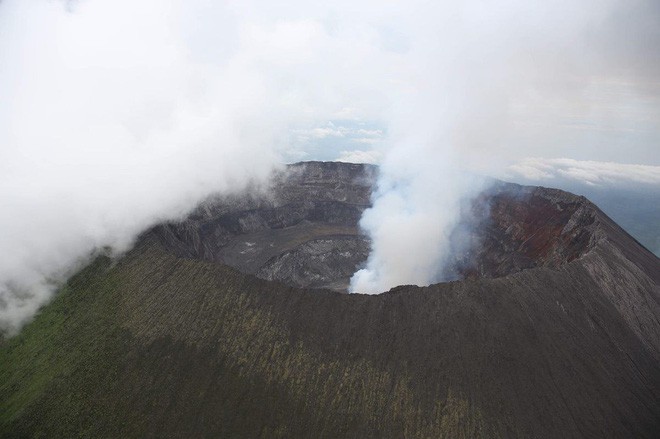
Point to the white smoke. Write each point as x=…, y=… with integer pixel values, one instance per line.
x=118, y=114
x=478, y=69
x=109, y=124
x=417, y=207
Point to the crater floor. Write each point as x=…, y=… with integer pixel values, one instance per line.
x=304, y=231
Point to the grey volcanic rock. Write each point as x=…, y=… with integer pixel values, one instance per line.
x=514, y=227
x=325, y=262
x=301, y=230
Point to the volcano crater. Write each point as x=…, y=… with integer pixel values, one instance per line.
x=303, y=230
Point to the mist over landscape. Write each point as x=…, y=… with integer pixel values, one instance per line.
x=119, y=115
x=355, y=219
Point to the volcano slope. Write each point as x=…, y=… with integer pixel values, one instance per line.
x=553, y=332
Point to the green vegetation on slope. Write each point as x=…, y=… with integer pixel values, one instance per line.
x=160, y=346
x=47, y=371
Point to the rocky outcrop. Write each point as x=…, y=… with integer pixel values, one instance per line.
x=302, y=229
x=514, y=227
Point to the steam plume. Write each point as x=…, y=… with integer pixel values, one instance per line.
x=118, y=114
x=474, y=68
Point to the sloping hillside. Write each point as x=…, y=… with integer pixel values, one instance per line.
x=161, y=345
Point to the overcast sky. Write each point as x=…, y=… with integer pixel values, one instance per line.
x=117, y=114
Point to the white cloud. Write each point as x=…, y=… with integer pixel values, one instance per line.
x=335, y=138
x=124, y=113
x=585, y=171
x=111, y=123
x=358, y=135
x=369, y=133
x=530, y=172
x=321, y=133
x=359, y=156
x=366, y=140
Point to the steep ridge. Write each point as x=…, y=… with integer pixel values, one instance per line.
x=163, y=344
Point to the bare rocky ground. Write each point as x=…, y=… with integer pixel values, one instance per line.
x=304, y=229
x=551, y=330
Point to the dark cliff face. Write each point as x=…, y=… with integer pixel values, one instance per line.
x=513, y=228
x=555, y=332
x=304, y=229
x=301, y=230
